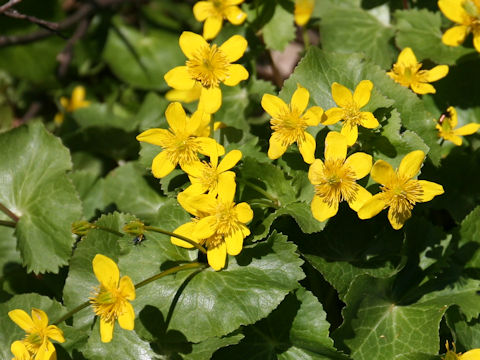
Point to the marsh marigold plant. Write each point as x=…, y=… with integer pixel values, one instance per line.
x=452, y=354
x=77, y=101
x=400, y=191
x=208, y=66
x=447, y=127
x=111, y=299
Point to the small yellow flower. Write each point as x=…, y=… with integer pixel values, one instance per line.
x=406, y=71
x=214, y=11
x=453, y=355
x=180, y=143
x=219, y=223
x=110, y=300
x=465, y=13
x=212, y=177
x=288, y=124
x=208, y=66
x=349, y=109
x=335, y=179
x=400, y=192
x=446, y=127
x=19, y=350
x=303, y=11
x=36, y=341
x=76, y=102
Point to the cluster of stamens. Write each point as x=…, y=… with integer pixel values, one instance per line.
x=402, y=194
x=107, y=304
x=209, y=66
x=337, y=183
x=290, y=126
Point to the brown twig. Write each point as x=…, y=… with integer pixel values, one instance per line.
x=40, y=22
x=65, y=57
x=8, y=5
x=33, y=110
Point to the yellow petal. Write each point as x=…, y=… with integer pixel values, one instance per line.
x=315, y=172
x=360, y=163
x=162, y=165
x=234, y=242
x=236, y=73
x=468, y=129
x=59, y=118
x=303, y=11
x=106, y=330
x=300, y=99
x=234, y=48
x=398, y=218
x=186, y=96
x=276, y=148
x=341, y=95
x=195, y=169
x=78, y=95
x=453, y=10
x=46, y=352
x=126, y=320
x=22, y=319
x=470, y=355
x=126, y=288
x=235, y=15
x=155, y=136
x=206, y=227
x=457, y=140
x=19, y=350
x=229, y=161
x=438, y=72
x=226, y=180
x=307, y=148
x=476, y=40
x=372, y=207
x=452, y=114
x=430, y=190
x=313, y=116
x=333, y=116
x=350, y=132
x=322, y=210
x=217, y=255
x=210, y=100
x=179, y=78
x=176, y=117
x=407, y=58
x=55, y=333
x=226, y=194
x=368, y=121
x=382, y=172
x=335, y=146
x=212, y=26
x=202, y=10
x=361, y=197
x=423, y=88
x=40, y=318
x=455, y=35
x=106, y=271
x=244, y=212
x=191, y=43
x=362, y=93
x=187, y=230
x=196, y=205
x=209, y=147
x=274, y=106
x=411, y=164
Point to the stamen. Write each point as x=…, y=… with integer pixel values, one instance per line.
x=337, y=183
x=209, y=66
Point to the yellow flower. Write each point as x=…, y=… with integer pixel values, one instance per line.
x=288, y=124
x=400, y=192
x=453, y=355
x=76, y=102
x=406, y=71
x=110, y=300
x=186, y=96
x=214, y=176
x=180, y=143
x=335, y=179
x=219, y=223
x=19, y=350
x=36, y=341
x=303, y=11
x=208, y=66
x=466, y=13
x=446, y=127
x=349, y=109
x=214, y=11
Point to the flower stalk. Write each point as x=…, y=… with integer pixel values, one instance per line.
x=181, y=237
x=275, y=202
x=7, y=212
x=11, y=224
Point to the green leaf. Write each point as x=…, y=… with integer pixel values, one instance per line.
x=469, y=243
x=152, y=111
x=91, y=190
x=227, y=298
x=355, y=30
x=205, y=349
x=9, y=331
x=142, y=60
x=420, y=30
x=280, y=30
x=105, y=115
x=466, y=334
x=36, y=188
x=349, y=70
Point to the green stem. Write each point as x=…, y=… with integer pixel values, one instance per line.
x=115, y=232
x=190, y=241
x=139, y=285
x=306, y=38
x=8, y=223
x=261, y=191
x=7, y=212
x=264, y=202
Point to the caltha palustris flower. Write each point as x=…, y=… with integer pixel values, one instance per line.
x=447, y=127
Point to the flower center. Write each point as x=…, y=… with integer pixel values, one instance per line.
x=107, y=303
x=209, y=66
x=34, y=340
x=209, y=177
x=226, y=218
x=352, y=115
x=337, y=182
x=402, y=194
x=181, y=148
x=289, y=126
